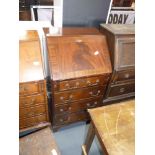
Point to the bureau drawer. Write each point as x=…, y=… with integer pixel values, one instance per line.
x=68, y=118
x=124, y=75
x=79, y=106
x=121, y=89
x=78, y=94
x=32, y=100
x=31, y=88
x=81, y=83
x=32, y=121
x=32, y=111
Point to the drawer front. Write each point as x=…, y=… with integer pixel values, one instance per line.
x=63, y=119
x=33, y=100
x=124, y=75
x=79, y=106
x=74, y=95
x=32, y=121
x=31, y=88
x=81, y=83
x=116, y=90
x=32, y=111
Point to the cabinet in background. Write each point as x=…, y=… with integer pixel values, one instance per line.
x=121, y=42
x=33, y=108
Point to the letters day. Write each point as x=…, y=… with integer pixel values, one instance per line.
x=121, y=17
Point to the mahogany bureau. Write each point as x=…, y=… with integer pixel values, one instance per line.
x=80, y=70
x=33, y=108
x=121, y=42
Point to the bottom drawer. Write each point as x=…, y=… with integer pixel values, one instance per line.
x=68, y=118
x=32, y=121
x=121, y=89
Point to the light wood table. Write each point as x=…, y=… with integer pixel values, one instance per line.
x=114, y=126
x=39, y=143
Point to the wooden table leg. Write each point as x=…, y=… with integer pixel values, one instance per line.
x=89, y=139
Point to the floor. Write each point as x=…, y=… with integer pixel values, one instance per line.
x=70, y=139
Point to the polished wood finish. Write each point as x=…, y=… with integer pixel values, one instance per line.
x=39, y=143
x=76, y=31
x=121, y=42
x=80, y=71
x=33, y=108
x=85, y=57
x=114, y=126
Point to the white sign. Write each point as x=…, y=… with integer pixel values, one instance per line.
x=121, y=17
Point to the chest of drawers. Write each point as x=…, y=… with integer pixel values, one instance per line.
x=33, y=108
x=80, y=70
x=121, y=42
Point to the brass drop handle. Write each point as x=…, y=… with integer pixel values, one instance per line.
x=91, y=106
x=67, y=85
x=32, y=101
x=61, y=110
x=127, y=75
x=23, y=88
x=61, y=120
x=92, y=94
x=65, y=101
x=122, y=90
x=93, y=84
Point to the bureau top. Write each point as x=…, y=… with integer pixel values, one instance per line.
x=28, y=35
x=76, y=31
x=121, y=29
x=78, y=56
x=30, y=60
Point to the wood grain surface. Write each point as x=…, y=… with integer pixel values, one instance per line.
x=30, y=60
x=115, y=127
x=78, y=56
x=76, y=31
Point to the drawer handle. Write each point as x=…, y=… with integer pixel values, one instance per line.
x=122, y=90
x=93, y=84
x=22, y=88
x=90, y=106
x=32, y=101
x=67, y=85
x=126, y=75
x=92, y=94
x=64, y=120
x=78, y=41
x=61, y=120
x=61, y=110
x=65, y=101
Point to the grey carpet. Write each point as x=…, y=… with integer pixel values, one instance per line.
x=71, y=138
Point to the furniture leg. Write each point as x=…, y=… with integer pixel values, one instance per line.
x=89, y=139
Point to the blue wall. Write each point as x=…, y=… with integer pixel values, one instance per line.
x=85, y=12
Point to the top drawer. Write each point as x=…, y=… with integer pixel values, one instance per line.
x=124, y=75
x=81, y=83
x=31, y=88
